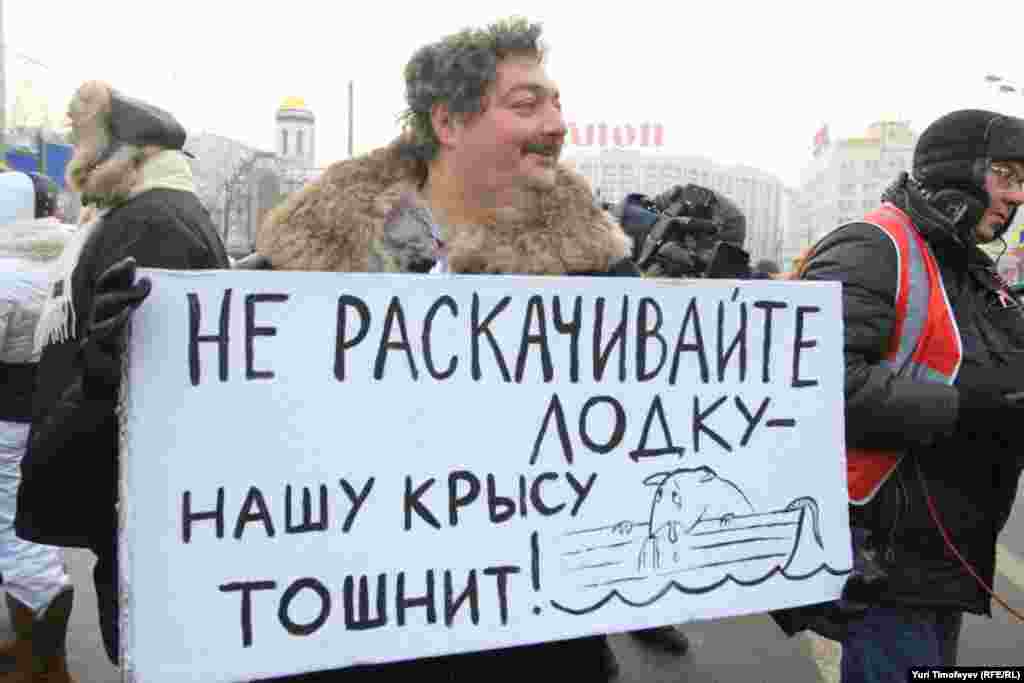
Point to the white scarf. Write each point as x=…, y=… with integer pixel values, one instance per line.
x=57, y=322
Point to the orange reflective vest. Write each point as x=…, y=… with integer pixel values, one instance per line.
x=925, y=342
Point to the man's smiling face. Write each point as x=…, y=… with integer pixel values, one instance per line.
x=515, y=142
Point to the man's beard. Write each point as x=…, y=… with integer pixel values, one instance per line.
x=543, y=178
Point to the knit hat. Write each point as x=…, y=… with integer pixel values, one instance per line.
x=955, y=151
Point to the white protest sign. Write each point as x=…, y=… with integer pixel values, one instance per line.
x=322, y=469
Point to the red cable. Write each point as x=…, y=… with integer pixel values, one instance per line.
x=949, y=544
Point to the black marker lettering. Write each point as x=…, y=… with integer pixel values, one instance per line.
x=188, y=517
x=247, y=587
x=411, y=503
x=643, y=334
x=402, y=603
x=251, y=331
x=297, y=629
x=554, y=410
x=342, y=343
x=428, y=326
x=357, y=500
x=478, y=328
x=195, y=339
x=357, y=617
x=307, y=524
x=254, y=499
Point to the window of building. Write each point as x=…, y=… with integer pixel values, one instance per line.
x=284, y=142
x=298, y=142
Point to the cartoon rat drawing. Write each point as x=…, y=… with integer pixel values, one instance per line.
x=683, y=498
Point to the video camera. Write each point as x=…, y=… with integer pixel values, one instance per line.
x=688, y=231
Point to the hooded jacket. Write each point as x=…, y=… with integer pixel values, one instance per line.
x=28, y=247
x=365, y=215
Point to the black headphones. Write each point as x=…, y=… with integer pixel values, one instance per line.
x=965, y=207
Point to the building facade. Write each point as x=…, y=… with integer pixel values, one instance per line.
x=845, y=180
x=761, y=196
x=239, y=184
x=296, y=131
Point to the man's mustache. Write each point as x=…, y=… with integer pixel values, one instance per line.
x=547, y=149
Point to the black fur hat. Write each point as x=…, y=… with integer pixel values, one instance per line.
x=953, y=156
x=955, y=151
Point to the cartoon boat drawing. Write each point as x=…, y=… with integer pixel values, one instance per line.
x=694, y=542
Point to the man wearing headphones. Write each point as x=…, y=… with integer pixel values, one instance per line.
x=934, y=343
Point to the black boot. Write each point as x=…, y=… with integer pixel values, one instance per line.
x=40, y=650
x=665, y=638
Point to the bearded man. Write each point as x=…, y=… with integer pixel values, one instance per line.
x=473, y=185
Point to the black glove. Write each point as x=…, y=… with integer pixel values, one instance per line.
x=115, y=297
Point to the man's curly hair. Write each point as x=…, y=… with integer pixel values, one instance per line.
x=457, y=70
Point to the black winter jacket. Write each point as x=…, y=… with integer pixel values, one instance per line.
x=69, y=484
x=972, y=483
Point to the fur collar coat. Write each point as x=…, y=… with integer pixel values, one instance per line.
x=365, y=215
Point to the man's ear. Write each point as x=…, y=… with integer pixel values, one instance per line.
x=444, y=123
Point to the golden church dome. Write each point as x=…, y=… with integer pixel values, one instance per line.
x=292, y=103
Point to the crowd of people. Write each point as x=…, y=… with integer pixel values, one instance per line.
x=473, y=185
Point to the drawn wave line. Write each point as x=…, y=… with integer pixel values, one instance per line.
x=614, y=593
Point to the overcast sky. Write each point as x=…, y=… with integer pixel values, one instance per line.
x=739, y=82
